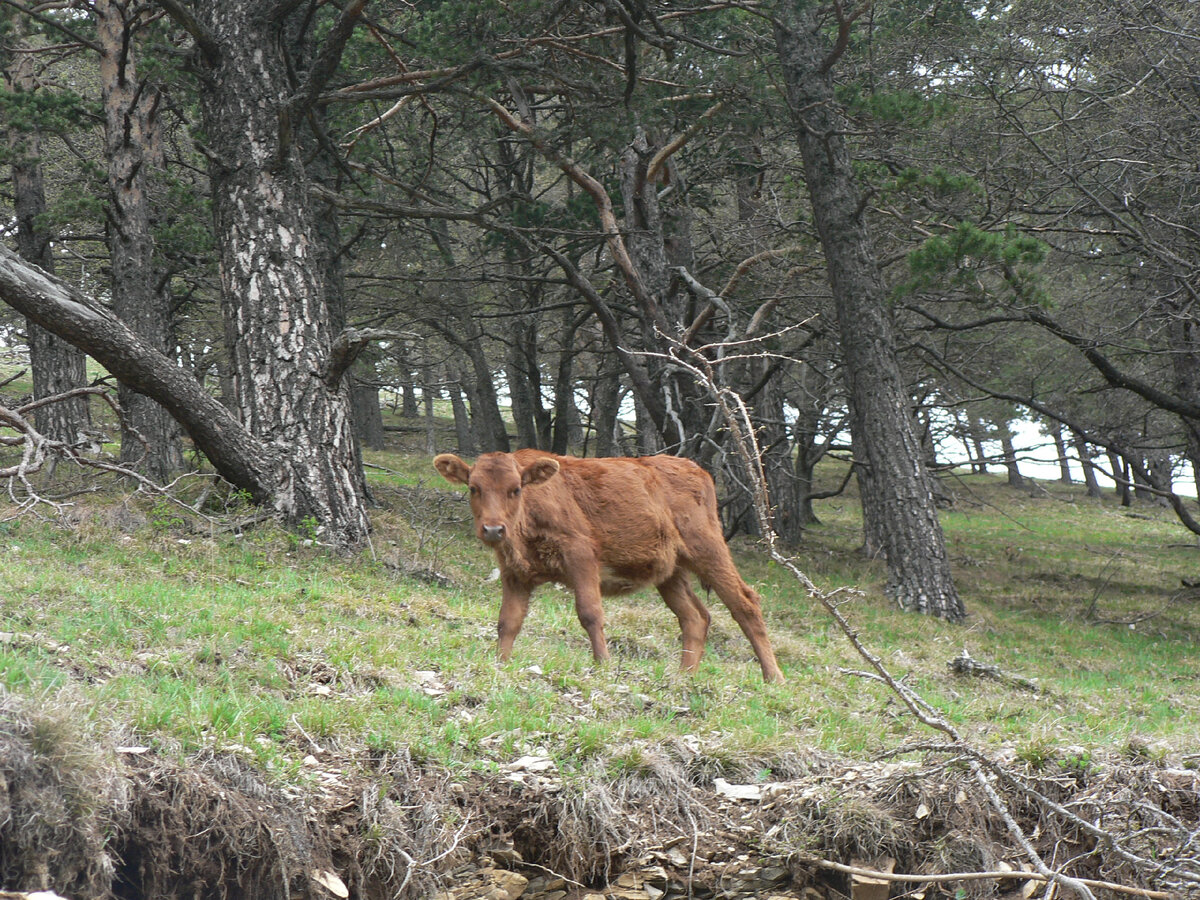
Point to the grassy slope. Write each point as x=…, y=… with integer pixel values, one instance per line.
x=198, y=639
x=265, y=644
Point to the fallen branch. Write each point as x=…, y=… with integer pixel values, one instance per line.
x=902, y=878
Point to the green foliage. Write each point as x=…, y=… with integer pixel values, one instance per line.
x=183, y=220
x=47, y=111
x=896, y=107
x=958, y=260
x=938, y=182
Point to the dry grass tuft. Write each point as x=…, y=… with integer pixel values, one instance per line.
x=61, y=794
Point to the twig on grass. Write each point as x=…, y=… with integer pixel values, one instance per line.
x=37, y=450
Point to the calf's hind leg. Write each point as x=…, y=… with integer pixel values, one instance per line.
x=693, y=617
x=715, y=567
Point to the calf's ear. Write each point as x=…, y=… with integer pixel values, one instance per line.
x=452, y=468
x=539, y=470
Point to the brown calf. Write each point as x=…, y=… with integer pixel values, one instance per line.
x=603, y=527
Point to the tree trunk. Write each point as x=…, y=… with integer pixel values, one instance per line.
x=521, y=389
x=1015, y=478
x=646, y=239
x=1060, y=447
x=810, y=401
x=431, y=447
x=57, y=366
x=898, y=496
x=368, y=417
x=1085, y=462
x=150, y=438
x=409, y=408
x=606, y=402
x=491, y=431
x=1120, y=470
x=787, y=495
x=463, y=435
x=566, y=416
x=277, y=322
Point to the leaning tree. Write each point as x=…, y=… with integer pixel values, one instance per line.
x=291, y=443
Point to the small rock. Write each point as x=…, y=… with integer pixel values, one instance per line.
x=677, y=858
x=737, y=791
x=773, y=874
x=655, y=875
x=533, y=764
x=508, y=885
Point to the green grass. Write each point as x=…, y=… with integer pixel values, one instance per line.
x=263, y=646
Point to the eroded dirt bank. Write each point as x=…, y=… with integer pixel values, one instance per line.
x=125, y=823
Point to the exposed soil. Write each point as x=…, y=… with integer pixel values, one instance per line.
x=124, y=823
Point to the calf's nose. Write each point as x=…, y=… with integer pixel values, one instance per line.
x=492, y=534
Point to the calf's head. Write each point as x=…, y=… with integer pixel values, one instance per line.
x=495, y=481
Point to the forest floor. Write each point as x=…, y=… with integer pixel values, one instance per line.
x=194, y=707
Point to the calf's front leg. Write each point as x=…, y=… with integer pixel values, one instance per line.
x=514, y=606
x=586, y=584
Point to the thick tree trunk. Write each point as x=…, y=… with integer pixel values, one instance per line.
x=566, y=416
x=491, y=431
x=646, y=239
x=368, y=417
x=57, y=366
x=898, y=494
x=606, y=402
x=409, y=407
x=522, y=391
x=150, y=438
x=277, y=322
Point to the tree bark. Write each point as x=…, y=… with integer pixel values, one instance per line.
x=898, y=494
x=605, y=406
x=57, y=366
x=277, y=321
x=150, y=438
x=1121, y=474
x=565, y=429
x=463, y=435
x=523, y=390
x=368, y=418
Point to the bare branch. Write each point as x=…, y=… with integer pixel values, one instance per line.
x=183, y=17
x=349, y=344
x=56, y=24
